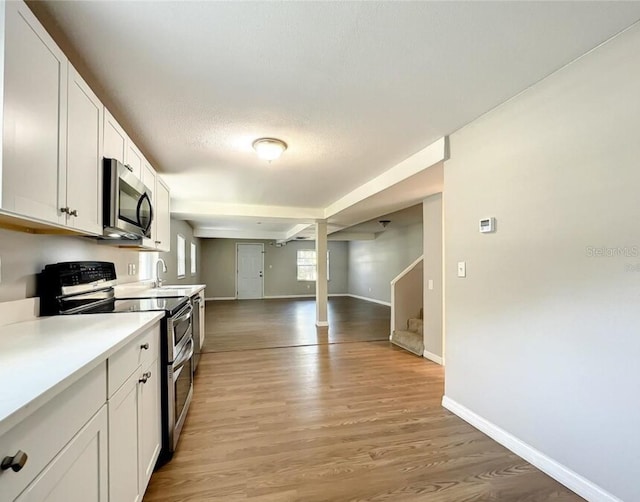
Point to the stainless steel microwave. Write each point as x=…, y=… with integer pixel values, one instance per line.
x=127, y=208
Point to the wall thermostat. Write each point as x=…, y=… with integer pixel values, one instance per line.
x=487, y=225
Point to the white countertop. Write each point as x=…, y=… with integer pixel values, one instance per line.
x=41, y=358
x=165, y=292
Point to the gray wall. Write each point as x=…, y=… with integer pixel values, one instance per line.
x=171, y=258
x=432, y=224
x=542, y=335
x=219, y=264
x=372, y=264
x=23, y=255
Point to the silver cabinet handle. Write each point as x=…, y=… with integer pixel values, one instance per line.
x=129, y=167
x=15, y=463
x=145, y=377
x=158, y=242
x=144, y=346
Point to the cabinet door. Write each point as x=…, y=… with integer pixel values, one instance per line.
x=149, y=180
x=149, y=423
x=115, y=139
x=34, y=123
x=163, y=216
x=84, y=156
x=202, y=320
x=134, y=159
x=123, y=442
x=79, y=472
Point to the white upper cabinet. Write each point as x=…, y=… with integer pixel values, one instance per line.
x=34, y=122
x=84, y=156
x=134, y=159
x=117, y=145
x=163, y=216
x=149, y=177
x=55, y=134
x=115, y=139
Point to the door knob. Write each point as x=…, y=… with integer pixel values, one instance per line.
x=73, y=212
x=145, y=377
x=66, y=210
x=14, y=463
x=144, y=346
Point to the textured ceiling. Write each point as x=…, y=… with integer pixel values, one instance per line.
x=352, y=87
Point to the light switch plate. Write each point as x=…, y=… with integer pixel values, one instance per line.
x=462, y=269
x=430, y=284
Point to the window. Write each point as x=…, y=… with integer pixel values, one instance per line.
x=146, y=261
x=193, y=258
x=181, y=253
x=306, y=263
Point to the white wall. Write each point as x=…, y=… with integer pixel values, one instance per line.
x=24, y=255
x=372, y=264
x=542, y=338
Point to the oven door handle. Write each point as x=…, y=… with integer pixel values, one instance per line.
x=180, y=362
x=188, y=312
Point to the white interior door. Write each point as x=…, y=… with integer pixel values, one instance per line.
x=249, y=270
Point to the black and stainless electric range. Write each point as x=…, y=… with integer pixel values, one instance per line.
x=88, y=288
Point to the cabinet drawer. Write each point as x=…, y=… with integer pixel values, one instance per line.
x=44, y=433
x=142, y=351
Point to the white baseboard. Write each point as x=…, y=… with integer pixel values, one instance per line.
x=212, y=298
x=572, y=480
x=388, y=304
x=432, y=357
x=276, y=297
x=301, y=296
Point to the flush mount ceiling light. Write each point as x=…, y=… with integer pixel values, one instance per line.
x=269, y=148
x=384, y=223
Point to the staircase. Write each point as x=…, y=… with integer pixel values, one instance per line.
x=411, y=338
x=406, y=302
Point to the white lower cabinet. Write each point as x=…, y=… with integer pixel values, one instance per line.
x=123, y=442
x=76, y=474
x=96, y=441
x=134, y=434
x=134, y=417
x=149, y=424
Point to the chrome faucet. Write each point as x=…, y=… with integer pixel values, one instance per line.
x=158, y=283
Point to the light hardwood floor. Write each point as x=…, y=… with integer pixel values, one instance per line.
x=355, y=421
x=260, y=324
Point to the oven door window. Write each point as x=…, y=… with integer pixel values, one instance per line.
x=182, y=328
x=182, y=383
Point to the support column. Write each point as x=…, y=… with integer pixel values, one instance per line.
x=321, y=276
